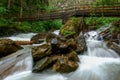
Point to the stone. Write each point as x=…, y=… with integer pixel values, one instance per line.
x=41, y=65
x=50, y=36
x=38, y=38
x=64, y=65
x=81, y=43
x=52, y=62
x=72, y=56
x=73, y=26
x=7, y=47
x=39, y=52
x=72, y=43
x=44, y=63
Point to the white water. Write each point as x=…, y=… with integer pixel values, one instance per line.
x=22, y=37
x=98, y=63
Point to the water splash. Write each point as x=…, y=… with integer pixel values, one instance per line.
x=90, y=68
x=94, y=68
x=22, y=37
x=97, y=47
x=56, y=32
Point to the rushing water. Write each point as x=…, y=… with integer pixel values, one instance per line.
x=98, y=63
x=22, y=37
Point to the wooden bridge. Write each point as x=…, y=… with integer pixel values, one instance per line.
x=83, y=10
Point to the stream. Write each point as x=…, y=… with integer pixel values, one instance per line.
x=97, y=63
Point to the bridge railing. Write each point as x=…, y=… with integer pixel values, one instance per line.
x=78, y=10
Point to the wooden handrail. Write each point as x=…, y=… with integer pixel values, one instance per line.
x=77, y=10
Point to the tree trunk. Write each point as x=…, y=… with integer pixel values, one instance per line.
x=9, y=3
x=21, y=9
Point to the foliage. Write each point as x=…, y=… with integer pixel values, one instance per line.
x=3, y=10
x=99, y=21
x=67, y=33
x=46, y=25
x=106, y=2
x=24, y=26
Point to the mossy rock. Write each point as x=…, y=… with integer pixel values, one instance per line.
x=72, y=26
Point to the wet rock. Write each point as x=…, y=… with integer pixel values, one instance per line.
x=45, y=63
x=72, y=56
x=41, y=51
x=39, y=38
x=59, y=46
x=64, y=65
x=7, y=47
x=81, y=43
x=72, y=43
x=41, y=65
x=48, y=62
x=114, y=47
x=50, y=36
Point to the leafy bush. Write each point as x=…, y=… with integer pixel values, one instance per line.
x=99, y=21
x=41, y=26
x=106, y=2
x=3, y=10
x=24, y=26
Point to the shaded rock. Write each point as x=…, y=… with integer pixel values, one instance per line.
x=45, y=63
x=41, y=65
x=39, y=38
x=7, y=47
x=81, y=43
x=59, y=46
x=48, y=62
x=72, y=43
x=64, y=65
x=50, y=36
x=114, y=47
x=41, y=51
x=72, y=56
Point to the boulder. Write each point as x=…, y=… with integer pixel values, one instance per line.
x=81, y=43
x=64, y=65
x=72, y=43
x=73, y=26
x=59, y=45
x=44, y=63
x=50, y=36
x=72, y=56
x=39, y=52
x=48, y=62
x=38, y=38
x=41, y=65
x=7, y=47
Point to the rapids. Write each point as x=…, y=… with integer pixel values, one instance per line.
x=97, y=63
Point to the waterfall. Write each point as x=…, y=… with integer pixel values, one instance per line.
x=98, y=63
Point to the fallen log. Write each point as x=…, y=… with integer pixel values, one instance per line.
x=24, y=42
x=114, y=47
